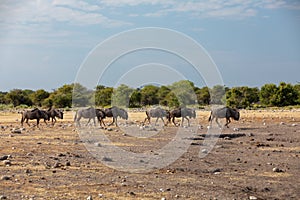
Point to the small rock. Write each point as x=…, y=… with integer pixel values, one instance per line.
x=109, y=129
x=252, y=197
x=250, y=134
x=236, y=129
x=5, y=178
x=204, y=151
x=227, y=138
x=294, y=125
x=276, y=169
x=7, y=162
x=15, y=130
x=2, y=197
x=89, y=198
x=163, y=198
x=68, y=163
x=5, y=157
x=282, y=123
x=132, y=193
x=100, y=195
x=97, y=144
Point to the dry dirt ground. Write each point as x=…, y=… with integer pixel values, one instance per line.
x=256, y=158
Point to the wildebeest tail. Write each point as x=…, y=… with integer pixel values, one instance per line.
x=75, y=117
x=210, y=116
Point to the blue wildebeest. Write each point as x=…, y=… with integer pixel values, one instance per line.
x=159, y=113
x=184, y=113
x=34, y=114
x=88, y=113
x=116, y=112
x=55, y=113
x=224, y=112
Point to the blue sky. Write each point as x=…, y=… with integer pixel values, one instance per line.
x=252, y=42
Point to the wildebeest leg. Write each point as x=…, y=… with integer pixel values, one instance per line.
x=22, y=121
x=219, y=125
x=37, y=122
x=88, y=121
x=27, y=122
x=211, y=120
x=94, y=121
x=78, y=121
x=116, y=121
x=227, y=122
x=156, y=121
x=173, y=120
x=147, y=119
x=188, y=121
x=101, y=122
x=162, y=119
x=53, y=121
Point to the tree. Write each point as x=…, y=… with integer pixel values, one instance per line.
x=184, y=91
x=285, y=95
x=172, y=100
x=39, y=96
x=135, y=99
x=18, y=97
x=3, y=100
x=203, y=96
x=149, y=95
x=242, y=97
x=162, y=93
x=121, y=96
x=297, y=89
x=218, y=94
x=103, y=95
x=81, y=96
x=267, y=94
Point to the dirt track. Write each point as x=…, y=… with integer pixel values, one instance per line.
x=53, y=163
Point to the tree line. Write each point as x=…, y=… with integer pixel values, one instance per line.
x=180, y=93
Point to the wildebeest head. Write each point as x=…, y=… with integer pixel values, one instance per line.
x=60, y=114
x=193, y=113
x=235, y=114
x=123, y=114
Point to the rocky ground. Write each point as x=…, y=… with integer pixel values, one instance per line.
x=256, y=158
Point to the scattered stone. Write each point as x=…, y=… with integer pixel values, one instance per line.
x=16, y=130
x=100, y=195
x=282, y=123
x=236, y=129
x=109, y=129
x=227, y=138
x=68, y=163
x=7, y=162
x=163, y=198
x=294, y=125
x=276, y=169
x=132, y=193
x=5, y=157
x=252, y=197
x=2, y=197
x=204, y=151
x=97, y=144
x=5, y=178
x=107, y=159
x=250, y=134
x=89, y=198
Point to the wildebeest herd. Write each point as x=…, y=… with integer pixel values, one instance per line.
x=114, y=112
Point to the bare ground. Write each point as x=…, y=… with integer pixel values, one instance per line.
x=53, y=163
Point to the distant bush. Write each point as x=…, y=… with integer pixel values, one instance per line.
x=181, y=93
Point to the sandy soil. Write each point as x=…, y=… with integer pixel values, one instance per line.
x=257, y=157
